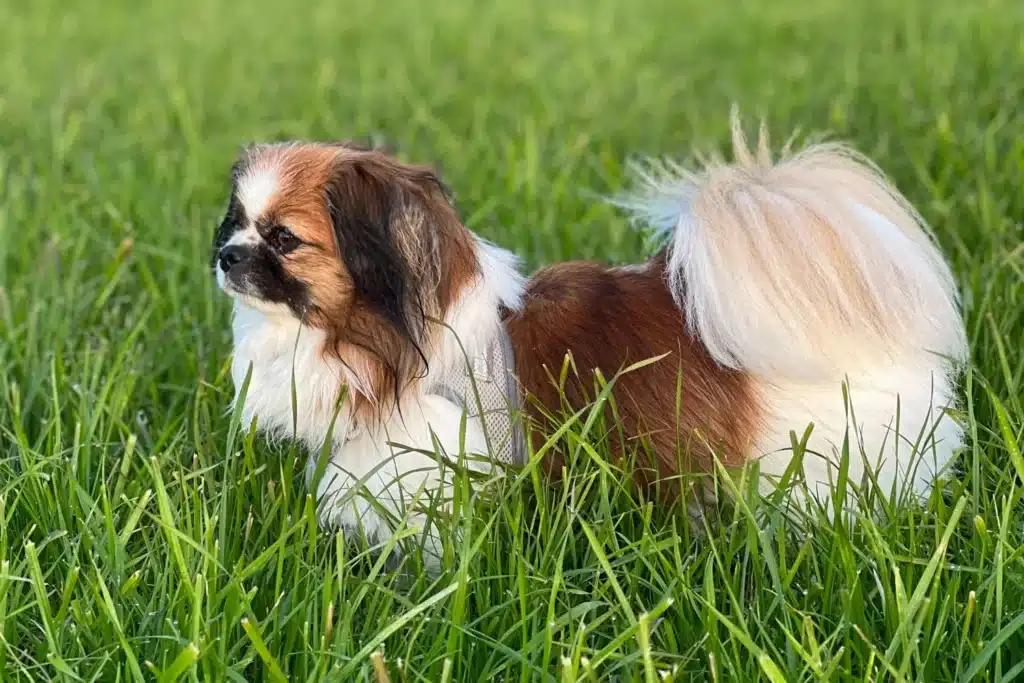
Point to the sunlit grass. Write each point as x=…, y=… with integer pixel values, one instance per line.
x=143, y=536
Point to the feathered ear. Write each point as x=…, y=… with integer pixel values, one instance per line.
x=406, y=254
x=367, y=211
x=377, y=218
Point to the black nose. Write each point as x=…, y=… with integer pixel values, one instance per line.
x=230, y=256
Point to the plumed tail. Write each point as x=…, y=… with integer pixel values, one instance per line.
x=806, y=267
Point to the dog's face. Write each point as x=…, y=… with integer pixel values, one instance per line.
x=349, y=240
x=275, y=245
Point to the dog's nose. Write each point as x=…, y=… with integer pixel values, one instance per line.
x=230, y=256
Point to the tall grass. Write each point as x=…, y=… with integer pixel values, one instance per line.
x=144, y=536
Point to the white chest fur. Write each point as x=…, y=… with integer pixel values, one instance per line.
x=282, y=354
x=375, y=478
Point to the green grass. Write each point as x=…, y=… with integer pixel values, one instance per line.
x=143, y=538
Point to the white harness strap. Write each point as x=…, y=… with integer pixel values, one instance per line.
x=487, y=387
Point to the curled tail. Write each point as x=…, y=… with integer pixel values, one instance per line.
x=804, y=268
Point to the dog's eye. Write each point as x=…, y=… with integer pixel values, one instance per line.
x=282, y=239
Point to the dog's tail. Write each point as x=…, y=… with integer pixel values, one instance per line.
x=805, y=268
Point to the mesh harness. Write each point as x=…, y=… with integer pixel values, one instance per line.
x=490, y=376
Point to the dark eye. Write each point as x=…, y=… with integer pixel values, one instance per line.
x=282, y=239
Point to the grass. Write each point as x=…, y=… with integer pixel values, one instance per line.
x=142, y=537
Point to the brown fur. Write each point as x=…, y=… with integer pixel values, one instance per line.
x=609, y=319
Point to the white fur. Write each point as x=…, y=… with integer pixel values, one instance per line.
x=280, y=350
x=376, y=478
x=372, y=477
x=474, y=319
x=246, y=235
x=807, y=273
x=256, y=188
x=761, y=284
x=899, y=433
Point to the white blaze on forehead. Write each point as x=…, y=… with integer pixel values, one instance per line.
x=256, y=188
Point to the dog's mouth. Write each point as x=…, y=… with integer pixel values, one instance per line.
x=226, y=285
x=241, y=293
x=237, y=290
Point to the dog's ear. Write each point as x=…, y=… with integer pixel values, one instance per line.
x=368, y=209
x=406, y=254
x=381, y=214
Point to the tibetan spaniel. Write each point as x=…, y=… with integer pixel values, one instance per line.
x=790, y=295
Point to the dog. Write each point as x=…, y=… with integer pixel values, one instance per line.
x=790, y=296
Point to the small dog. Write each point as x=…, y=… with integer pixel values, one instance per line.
x=358, y=291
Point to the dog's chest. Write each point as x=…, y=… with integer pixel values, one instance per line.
x=292, y=389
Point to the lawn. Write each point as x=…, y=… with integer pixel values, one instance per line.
x=143, y=537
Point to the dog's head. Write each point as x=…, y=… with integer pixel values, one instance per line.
x=349, y=240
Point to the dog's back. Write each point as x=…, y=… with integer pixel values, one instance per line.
x=780, y=282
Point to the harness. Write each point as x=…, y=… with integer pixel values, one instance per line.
x=486, y=386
